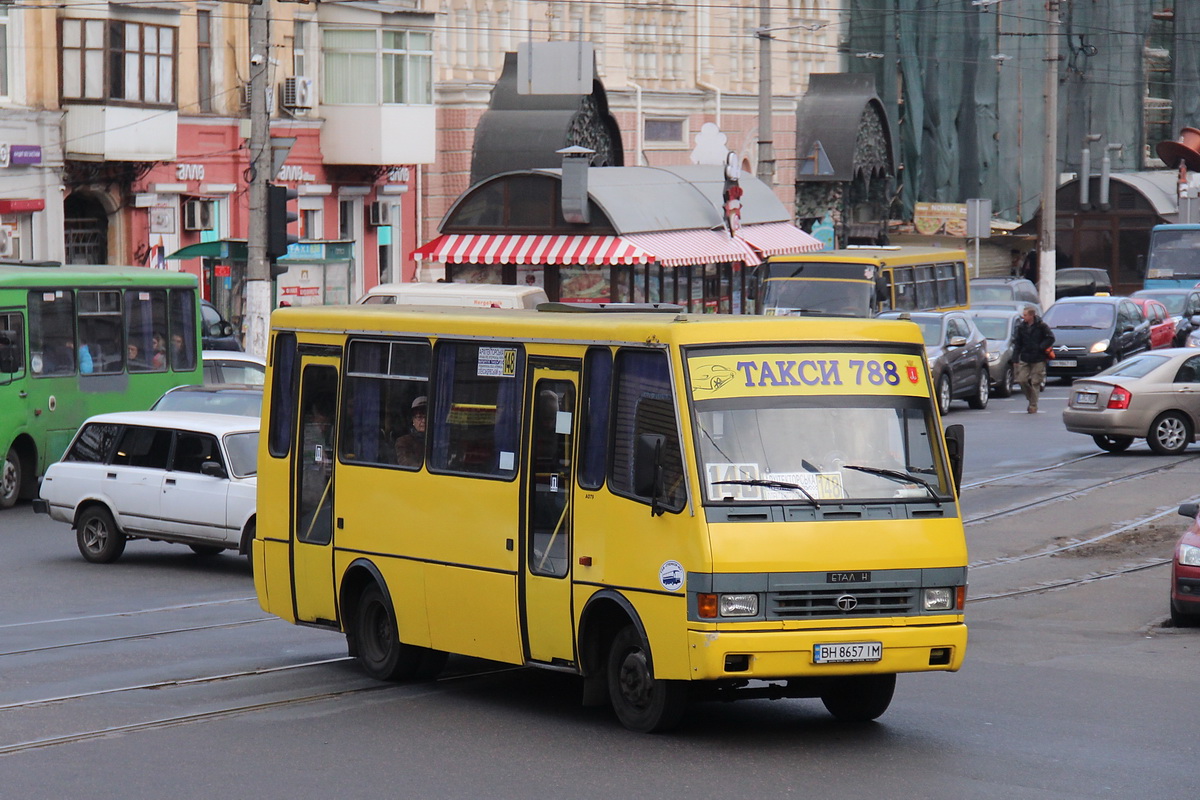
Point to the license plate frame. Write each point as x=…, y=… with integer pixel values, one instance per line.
x=1086, y=399
x=847, y=652
x=1063, y=362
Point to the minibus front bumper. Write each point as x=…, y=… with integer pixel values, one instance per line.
x=774, y=655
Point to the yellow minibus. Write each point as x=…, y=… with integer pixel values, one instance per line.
x=864, y=281
x=672, y=506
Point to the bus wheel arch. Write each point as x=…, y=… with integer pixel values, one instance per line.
x=246, y=546
x=604, y=615
x=373, y=632
x=20, y=467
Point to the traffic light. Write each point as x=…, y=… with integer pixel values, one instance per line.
x=279, y=217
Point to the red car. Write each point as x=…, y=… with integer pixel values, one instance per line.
x=1185, y=573
x=1162, y=324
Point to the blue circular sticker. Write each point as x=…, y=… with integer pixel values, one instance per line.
x=670, y=575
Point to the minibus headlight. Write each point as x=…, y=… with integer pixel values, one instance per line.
x=739, y=605
x=941, y=599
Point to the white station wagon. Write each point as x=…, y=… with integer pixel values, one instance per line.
x=184, y=477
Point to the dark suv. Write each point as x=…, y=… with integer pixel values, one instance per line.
x=1093, y=333
x=215, y=332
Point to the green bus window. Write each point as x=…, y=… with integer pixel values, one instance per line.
x=386, y=392
x=597, y=400
x=145, y=329
x=52, y=332
x=644, y=404
x=12, y=346
x=182, y=350
x=100, y=347
x=284, y=365
x=476, y=410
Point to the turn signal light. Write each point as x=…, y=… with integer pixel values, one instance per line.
x=1119, y=398
x=706, y=606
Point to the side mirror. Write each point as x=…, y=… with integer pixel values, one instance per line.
x=648, y=468
x=221, y=328
x=1189, y=510
x=956, y=341
x=956, y=448
x=212, y=469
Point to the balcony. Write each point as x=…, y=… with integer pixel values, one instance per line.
x=120, y=133
x=380, y=135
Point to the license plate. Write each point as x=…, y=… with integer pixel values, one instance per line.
x=1062, y=362
x=1085, y=398
x=847, y=652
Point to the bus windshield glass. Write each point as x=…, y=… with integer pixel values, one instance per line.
x=832, y=297
x=809, y=428
x=1173, y=254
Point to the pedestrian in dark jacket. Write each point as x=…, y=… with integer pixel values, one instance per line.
x=1030, y=343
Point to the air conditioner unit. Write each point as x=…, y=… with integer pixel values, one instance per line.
x=198, y=215
x=378, y=214
x=6, y=243
x=298, y=92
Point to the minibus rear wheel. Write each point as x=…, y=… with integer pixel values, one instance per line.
x=860, y=698
x=641, y=702
x=382, y=655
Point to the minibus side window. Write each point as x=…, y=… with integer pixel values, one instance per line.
x=597, y=400
x=52, y=332
x=384, y=407
x=644, y=405
x=283, y=395
x=182, y=345
x=100, y=347
x=146, y=329
x=12, y=346
x=476, y=417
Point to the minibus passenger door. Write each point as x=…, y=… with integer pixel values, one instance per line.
x=548, y=542
x=312, y=514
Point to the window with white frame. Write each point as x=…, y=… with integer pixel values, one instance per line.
x=140, y=61
x=5, y=68
x=370, y=67
x=665, y=133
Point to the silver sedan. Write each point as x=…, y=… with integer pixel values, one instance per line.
x=1153, y=395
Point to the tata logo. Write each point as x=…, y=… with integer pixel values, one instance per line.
x=846, y=602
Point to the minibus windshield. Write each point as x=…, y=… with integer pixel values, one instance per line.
x=812, y=428
x=785, y=297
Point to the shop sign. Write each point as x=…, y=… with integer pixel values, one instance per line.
x=12, y=155
x=222, y=270
x=21, y=206
x=940, y=219
x=189, y=172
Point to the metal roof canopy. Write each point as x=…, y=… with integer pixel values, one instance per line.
x=332, y=251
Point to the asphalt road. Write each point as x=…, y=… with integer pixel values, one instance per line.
x=159, y=676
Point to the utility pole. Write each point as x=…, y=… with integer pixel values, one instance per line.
x=766, y=137
x=258, y=269
x=1049, y=221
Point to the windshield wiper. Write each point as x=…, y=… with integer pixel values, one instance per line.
x=900, y=477
x=774, y=485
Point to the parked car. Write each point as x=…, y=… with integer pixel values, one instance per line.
x=1182, y=305
x=238, y=399
x=1162, y=325
x=1185, y=572
x=957, y=354
x=1154, y=395
x=1003, y=290
x=998, y=328
x=476, y=295
x=1081, y=282
x=216, y=333
x=187, y=478
x=1093, y=333
x=225, y=366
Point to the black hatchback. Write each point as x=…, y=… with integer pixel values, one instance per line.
x=1093, y=333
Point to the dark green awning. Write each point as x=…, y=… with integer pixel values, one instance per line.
x=222, y=249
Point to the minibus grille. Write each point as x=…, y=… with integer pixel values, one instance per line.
x=867, y=602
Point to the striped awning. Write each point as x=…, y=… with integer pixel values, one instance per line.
x=670, y=249
x=701, y=246
x=487, y=248
x=777, y=239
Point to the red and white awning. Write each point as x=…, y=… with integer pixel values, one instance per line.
x=670, y=249
x=485, y=248
x=777, y=239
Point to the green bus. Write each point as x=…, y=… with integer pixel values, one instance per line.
x=82, y=340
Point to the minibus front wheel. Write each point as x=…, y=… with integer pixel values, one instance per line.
x=641, y=702
x=859, y=698
x=377, y=637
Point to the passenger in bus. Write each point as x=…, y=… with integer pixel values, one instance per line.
x=410, y=448
x=159, y=345
x=135, y=358
x=178, y=351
